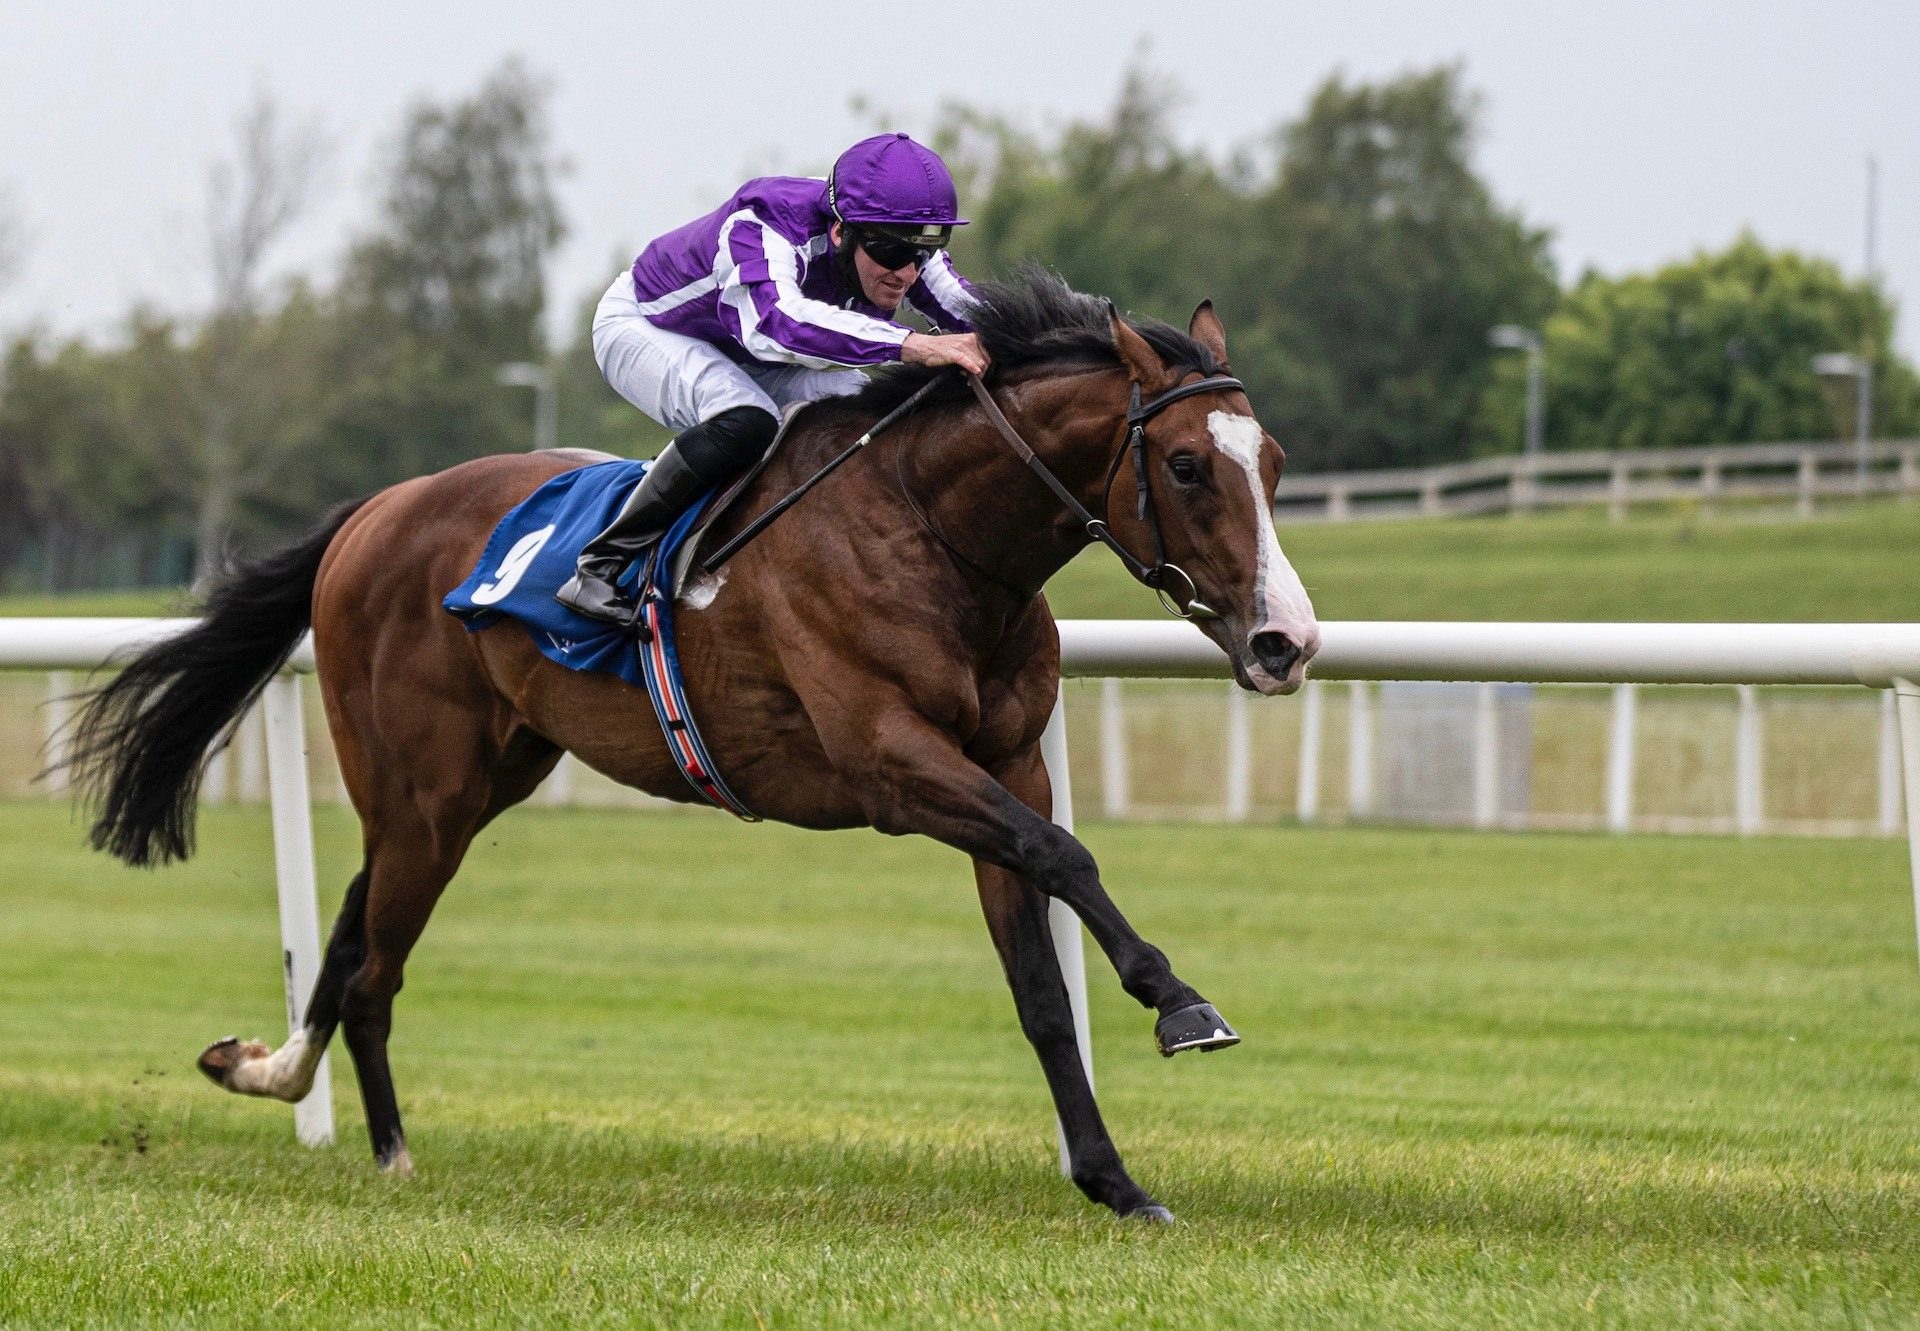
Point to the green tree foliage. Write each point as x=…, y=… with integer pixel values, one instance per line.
x=448, y=288
x=1716, y=349
x=1358, y=269
x=87, y=438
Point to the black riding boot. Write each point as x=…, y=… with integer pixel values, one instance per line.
x=702, y=458
x=662, y=495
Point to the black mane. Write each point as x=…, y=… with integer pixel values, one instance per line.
x=1032, y=319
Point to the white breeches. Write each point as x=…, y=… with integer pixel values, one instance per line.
x=681, y=381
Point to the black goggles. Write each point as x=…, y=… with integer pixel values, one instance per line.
x=892, y=252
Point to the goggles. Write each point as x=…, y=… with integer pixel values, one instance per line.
x=895, y=250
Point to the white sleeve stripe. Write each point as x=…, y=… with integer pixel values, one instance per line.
x=790, y=301
x=944, y=283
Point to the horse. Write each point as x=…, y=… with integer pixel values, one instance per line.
x=882, y=657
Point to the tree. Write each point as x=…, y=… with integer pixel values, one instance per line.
x=253, y=200
x=89, y=442
x=1390, y=261
x=449, y=287
x=1359, y=262
x=1717, y=348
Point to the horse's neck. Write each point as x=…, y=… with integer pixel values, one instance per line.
x=980, y=496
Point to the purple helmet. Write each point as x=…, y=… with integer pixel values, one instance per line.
x=891, y=182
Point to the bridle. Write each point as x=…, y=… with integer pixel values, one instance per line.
x=1156, y=574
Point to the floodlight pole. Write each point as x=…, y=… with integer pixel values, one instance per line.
x=546, y=398
x=1841, y=364
x=1512, y=337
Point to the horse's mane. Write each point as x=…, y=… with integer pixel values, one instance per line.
x=1031, y=321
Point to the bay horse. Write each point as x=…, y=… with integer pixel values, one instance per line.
x=882, y=657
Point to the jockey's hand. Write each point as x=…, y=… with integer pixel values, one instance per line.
x=962, y=349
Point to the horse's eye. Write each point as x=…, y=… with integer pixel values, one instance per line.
x=1185, y=470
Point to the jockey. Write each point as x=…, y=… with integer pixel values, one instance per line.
x=770, y=299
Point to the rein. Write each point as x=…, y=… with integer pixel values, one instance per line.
x=1152, y=575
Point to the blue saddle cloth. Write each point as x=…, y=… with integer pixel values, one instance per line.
x=532, y=552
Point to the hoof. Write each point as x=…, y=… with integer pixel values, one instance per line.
x=248, y=1067
x=1198, y=1027
x=219, y=1059
x=398, y=1164
x=1151, y=1214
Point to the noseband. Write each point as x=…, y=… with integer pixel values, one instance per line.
x=1157, y=574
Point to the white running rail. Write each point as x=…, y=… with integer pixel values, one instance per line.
x=1880, y=656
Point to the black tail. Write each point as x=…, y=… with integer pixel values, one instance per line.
x=141, y=741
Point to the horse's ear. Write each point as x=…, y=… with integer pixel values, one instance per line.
x=1205, y=329
x=1135, y=354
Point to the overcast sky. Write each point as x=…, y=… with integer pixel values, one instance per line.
x=1637, y=132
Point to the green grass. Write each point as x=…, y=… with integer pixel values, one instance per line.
x=671, y=1070
x=1851, y=564
x=136, y=601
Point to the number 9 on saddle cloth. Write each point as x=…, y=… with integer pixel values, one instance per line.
x=531, y=552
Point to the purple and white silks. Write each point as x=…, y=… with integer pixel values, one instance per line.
x=756, y=279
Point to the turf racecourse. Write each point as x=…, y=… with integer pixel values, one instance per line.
x=667, y=1070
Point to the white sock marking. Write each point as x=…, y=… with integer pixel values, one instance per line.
x=285, y=1074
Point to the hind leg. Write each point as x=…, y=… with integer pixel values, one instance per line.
x=249, y=1067
x=416, y=838
x=414, y=857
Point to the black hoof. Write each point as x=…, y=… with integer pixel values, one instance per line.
x=218, y=1058
x=1198, y=1027
x=1151, y=1214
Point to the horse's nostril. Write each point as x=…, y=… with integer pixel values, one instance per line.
x=1276, y=653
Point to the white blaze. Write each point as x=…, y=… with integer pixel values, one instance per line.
x=1280, y=601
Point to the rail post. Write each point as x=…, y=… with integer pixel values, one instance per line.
x=293, y=865
x=1486, y=758
x=1749, y=801
x=1359, y=749
x=1617, y=491
x=1115, y=786
x=1306, y=803
x=1889, y=764
x=59, y=713
x=1807, y=473
x=250, y=739
x=1239, y=774
x=1621, y=738
x=1069, y=943
x=557, y=790
x=1907, y=694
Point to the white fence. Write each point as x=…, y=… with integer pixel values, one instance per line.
x=1883, y=656
x=1801, y=473
x=1565, y=757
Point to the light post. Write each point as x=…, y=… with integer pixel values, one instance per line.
x=1512, y=337
x=546, y=398
x=1844, y=365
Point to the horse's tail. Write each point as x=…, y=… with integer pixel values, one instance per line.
x=141, y=741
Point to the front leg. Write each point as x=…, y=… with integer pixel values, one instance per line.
x=1017, y=918
x=919, y=781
